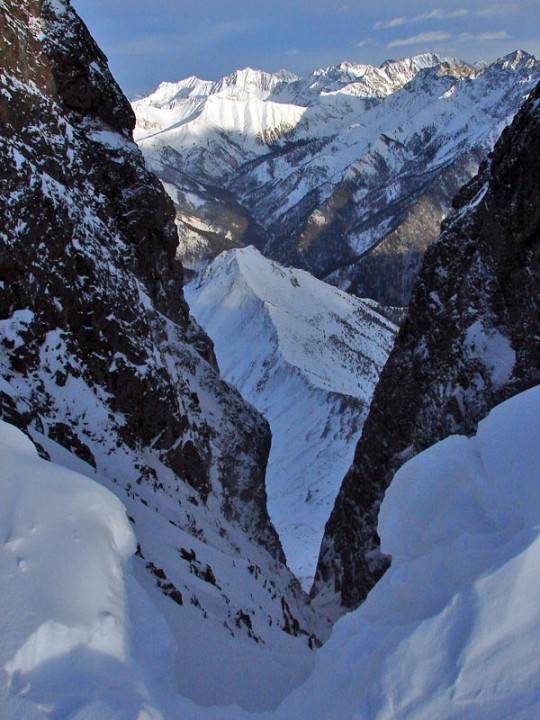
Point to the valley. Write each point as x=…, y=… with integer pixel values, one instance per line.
x=268, y=429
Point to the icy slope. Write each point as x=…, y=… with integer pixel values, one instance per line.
x=308, y=357
x=347, y=172
x=453, y=628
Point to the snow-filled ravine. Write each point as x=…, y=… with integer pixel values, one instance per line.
x=451, y=631
x=308, y=356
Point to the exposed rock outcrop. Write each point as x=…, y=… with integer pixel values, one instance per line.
x=471, y=340
x=98, y=351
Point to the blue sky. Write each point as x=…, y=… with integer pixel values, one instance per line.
x=148, y=41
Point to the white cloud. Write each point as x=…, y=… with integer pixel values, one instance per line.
x=436, y=14
x=484, y=37
x=395, y=22
x=428, y=37
x=499, y=10
x=439, y=14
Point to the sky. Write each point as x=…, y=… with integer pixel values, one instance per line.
x=149, y=41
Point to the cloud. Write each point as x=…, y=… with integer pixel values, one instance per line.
x=496, y=10
x=439, y=14
x=428, y=37
x=436, y=14
x=395, y=22
x=483, y=37
x=363, y=43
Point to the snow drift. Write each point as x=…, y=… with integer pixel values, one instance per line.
x=64, y=623
x=453, y=628
x=451, y=631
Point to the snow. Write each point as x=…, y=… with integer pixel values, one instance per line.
x=452, y=630
x=493, y=349
x=66, y=544
x=308, y=357
x=85, y=631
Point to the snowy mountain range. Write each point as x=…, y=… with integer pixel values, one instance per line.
x=346, y=173
x=141, y=575
x=308, y=356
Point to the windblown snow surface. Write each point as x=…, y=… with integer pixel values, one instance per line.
x=308, y=357
x=451, y=631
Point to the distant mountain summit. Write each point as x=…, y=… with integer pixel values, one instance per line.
x=347, y=172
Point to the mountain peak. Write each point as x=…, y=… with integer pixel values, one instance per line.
x=515, y=59
x=249, y=79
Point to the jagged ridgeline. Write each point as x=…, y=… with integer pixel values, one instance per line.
x=346, y=172
x=470, y=341
x=98, y=351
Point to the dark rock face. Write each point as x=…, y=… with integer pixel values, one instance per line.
x=471, y=340
x=97, y=348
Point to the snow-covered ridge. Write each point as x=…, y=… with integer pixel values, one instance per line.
x=337, y=342
x=319, y=171
x=173, y=105
x=258, y=82
x=306, y=355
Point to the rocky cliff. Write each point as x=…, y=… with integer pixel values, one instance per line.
x=471, y=340
x=97, y=348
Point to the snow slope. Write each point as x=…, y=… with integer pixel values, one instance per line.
x=86, y=631
x=64, y=625
x=308, y=357
x=453, y=628
x=451, y=631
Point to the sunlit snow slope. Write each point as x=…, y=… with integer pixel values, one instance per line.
x=308, y=357
x=64, y=625
x=346, y=173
